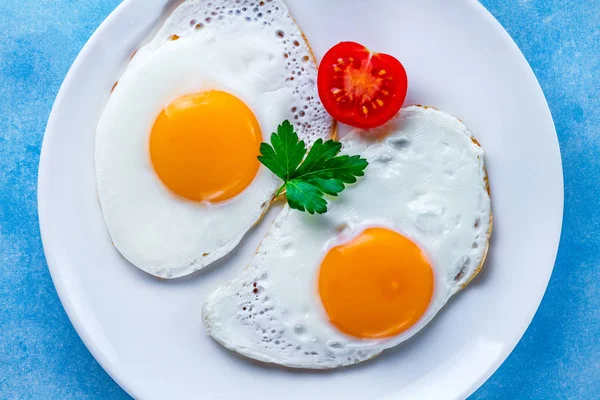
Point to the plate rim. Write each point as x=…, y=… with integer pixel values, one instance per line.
x=43, y=207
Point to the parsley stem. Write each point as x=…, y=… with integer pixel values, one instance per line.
x=280, y=190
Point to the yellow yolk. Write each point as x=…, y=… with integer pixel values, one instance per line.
x=204, y=146
x=376, y=286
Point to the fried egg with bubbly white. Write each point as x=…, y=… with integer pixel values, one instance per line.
x=177, y=173
x=330, y=290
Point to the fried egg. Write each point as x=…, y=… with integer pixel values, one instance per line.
x=177, y=173
x=325, y=291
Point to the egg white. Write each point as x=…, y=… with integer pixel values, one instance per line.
x=426, y=180
x=220, y=45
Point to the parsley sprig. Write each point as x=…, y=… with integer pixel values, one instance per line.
x=308, y=177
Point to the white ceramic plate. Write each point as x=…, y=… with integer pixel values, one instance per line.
x=147, y=333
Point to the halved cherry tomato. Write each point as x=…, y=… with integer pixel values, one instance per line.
x=359, y=87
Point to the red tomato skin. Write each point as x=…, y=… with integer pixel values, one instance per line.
x=365, y=89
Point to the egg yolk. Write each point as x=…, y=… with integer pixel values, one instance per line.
x=204, y=146
x=377, y=285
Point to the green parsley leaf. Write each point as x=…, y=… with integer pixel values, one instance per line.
x=307, y=179
x=305, y=197
x=285, y=153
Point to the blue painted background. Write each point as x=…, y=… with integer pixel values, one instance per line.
x=41, y=356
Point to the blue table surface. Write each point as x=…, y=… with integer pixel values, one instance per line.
x=41, y=356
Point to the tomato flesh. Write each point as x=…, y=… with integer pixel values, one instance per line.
x=359, y=87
